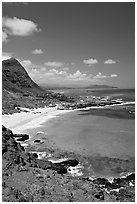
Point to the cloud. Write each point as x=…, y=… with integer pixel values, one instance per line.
x=31, y=68
x=113, y=75
x=26, y=63
x=37, y=52
x=53, y=64
x=6, y=55
x=90, y=61
x=77, y=76
x=100, y=76
x=4, y=37
x=109, y=61
x=18, y=27
x=41, y=74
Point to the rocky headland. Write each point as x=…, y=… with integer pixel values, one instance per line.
x=28, y=178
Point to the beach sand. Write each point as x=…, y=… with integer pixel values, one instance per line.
x=93, y=137
x=31, y=118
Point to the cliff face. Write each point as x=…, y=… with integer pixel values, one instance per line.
x=15, y=77
x=18, y=89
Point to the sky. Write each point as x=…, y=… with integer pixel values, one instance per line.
x=72, y=43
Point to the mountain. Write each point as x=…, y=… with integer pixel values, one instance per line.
x=100, y=87
x=16, y=79
x=19, y=90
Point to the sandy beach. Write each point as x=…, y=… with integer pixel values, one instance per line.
x=31, y=118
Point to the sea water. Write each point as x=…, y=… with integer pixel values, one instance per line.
x=90, y=134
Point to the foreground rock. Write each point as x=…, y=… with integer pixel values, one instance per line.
x=29, y=179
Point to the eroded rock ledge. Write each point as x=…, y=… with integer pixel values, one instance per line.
x=29, y=179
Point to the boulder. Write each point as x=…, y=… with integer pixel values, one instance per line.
x=100, y=181
x=21, y=137
x=131, y=177
x=120, y=182
x=37, y=141
x=67, y=163
x=59, y=169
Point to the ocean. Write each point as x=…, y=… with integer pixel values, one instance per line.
x=101, y=132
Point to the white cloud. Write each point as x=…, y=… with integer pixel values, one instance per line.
x=77, y=76
x=4, y=37
x=6, y=55
x=53, y=76
x=90, y=61
x=109, y=61
x=54, y=64
x=26, y=63
x=18, y=27
x=37, y=52
x=113, y=75
x=100, y=76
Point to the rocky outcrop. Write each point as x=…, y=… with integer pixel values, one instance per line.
x=28, y=179
x=15, y=154
x=15, y=74
x=21, y=137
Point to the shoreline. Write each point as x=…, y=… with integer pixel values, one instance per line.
x=31, y=118
x=118, y=176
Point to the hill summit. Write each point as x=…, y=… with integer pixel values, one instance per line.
x=19, y=90
x=15, y=77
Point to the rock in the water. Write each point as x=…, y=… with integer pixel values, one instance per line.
x=69, y=162
x=21, y=137
x=100, y=181
x=131, y=177
x=38, y=141
x=59, y=169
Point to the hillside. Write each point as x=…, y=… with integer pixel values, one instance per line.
x=18, y=89
x=16, y=79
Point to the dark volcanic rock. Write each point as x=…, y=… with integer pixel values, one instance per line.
x=14, y=153
x=62, y=167
x=99, y=195
x=23, y=183
x=131, y=177
x=37, y=141
x=67, y=163
x=100, y=181
x=7, y=135
x=15, y=74
x=59, y=169
x=21, y=137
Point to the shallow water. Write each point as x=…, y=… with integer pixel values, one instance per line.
x=91, y=135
